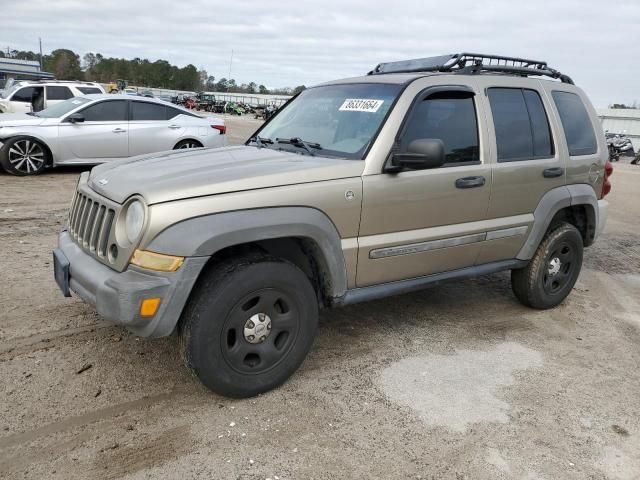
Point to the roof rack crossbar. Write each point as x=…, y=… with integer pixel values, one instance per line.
x=472, y=63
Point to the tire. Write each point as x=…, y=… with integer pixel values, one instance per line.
x=249, y=325
x=24, y=156
x=553, y=270
x=183, y=144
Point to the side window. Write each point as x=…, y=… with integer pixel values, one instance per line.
x=576, y=124
x=521, y=124
x=106, y=111
x=89, y=90
x=173, y=112
x=24, y=95
x=450, y=117
x=58, y=93
x=147, y=111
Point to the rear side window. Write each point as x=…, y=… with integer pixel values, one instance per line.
x=106, y=111
x=450, y=117
x=521, y=124
x=58, y=93
x=148, y=111
x=174, y=112
x=576, y=124
x=89, y=90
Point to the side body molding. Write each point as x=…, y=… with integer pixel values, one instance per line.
x=204, y=236
x=552, y=202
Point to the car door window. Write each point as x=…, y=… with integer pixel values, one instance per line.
x=106, y=111
x=89, y=90
x=577, y=127
x=55, y=92
x=521, y=125
x=148, y=111
x=450, y=117
x=24, y=94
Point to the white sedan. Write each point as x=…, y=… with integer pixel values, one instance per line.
x=99, y=128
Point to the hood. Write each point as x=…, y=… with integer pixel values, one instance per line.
x=19, y=119
x=168, y=176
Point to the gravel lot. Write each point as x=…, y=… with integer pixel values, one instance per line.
x=456, y=382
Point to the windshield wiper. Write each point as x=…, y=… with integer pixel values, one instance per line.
x=298, y=142
x=261, y=142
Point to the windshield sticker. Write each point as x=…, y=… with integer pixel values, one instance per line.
x=76, y=102
x=361, y=105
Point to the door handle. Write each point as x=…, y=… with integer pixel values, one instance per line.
x=119, y=130
x=470, y=182
x=174, y=126
x=553, y=172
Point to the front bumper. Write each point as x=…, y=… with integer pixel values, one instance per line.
x=117, y=295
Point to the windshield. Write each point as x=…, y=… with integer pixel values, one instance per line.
x=337, y=120
x=62, y=108
x=6, y=93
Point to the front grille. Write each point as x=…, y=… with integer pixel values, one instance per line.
x=90, y=224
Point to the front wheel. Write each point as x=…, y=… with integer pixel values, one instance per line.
x=24, y=156
x=553, y=270
x=249, y=325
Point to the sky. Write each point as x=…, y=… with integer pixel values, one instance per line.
x=290, y=43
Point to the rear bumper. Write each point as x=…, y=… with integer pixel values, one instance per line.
x=603, y=211
x=117, y=295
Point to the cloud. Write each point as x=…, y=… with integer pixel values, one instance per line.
x=288, y=43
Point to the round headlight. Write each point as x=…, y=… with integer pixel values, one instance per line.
x=134, y=221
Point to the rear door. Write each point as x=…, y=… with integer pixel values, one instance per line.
x=149, y=129
x=102, y=136
x=56, y=94
x=527, y=162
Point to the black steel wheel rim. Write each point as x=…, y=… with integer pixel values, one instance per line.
x=561, y=264
x=278, y=312
x=26, y=156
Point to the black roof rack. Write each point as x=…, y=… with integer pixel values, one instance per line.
x=470, y=63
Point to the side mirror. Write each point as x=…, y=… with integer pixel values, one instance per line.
x=76, y=118
x=421, y=154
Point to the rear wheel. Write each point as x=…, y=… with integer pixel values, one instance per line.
x=187, y=144
x=24, y=156
x=249, y=325
x=553, y=270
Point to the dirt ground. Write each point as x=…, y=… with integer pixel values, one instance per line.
x=456, y=382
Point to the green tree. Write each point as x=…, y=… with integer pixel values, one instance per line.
x=64, y=64
x=298, y=89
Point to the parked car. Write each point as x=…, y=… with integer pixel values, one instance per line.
x=422, y=171
x=97, y=128
x=34, y=96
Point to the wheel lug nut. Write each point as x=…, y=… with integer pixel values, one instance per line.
x=251, y=338
x=262, y=339
x=261, y=317
x=269, y=327
x=250, y=324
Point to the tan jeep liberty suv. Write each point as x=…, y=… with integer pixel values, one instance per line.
x=421, y=171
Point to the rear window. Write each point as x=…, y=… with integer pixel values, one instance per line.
x=55, y=92
x=522, y=128
x=89, y=90
x=577, y=126
x=147, y=111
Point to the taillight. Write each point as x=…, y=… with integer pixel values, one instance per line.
x=221, y=128
x=606, y=185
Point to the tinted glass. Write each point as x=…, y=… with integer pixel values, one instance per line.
x=576, y=124
x=89, y=90
x=174, y=112
x=542, y=145
x=450, y=117
x=58, y=93
x=147, y=111
x=107, y=111
x=24, y=94
x=521, y=125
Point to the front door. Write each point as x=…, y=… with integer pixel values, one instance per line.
x=103, y=135
x=419, y=222
x=27, y=99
